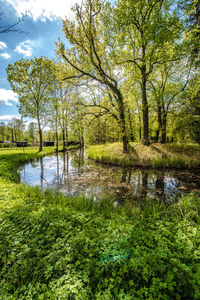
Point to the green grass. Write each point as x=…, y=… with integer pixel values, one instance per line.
x=57, y=247
x=179, y=156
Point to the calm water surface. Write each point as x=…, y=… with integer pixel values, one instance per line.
x=73, y=174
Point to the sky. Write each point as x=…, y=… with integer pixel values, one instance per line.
x=40, y=30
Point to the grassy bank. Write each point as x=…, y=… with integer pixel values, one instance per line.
x=53, y=247
x=180, y=156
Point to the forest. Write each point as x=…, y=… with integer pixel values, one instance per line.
x=112, y=210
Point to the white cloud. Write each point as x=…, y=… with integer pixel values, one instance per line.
x=25, y=48
x=5, y=55
x=8, y=117
x=44, y=9
x=6, y=95
x=2, y=45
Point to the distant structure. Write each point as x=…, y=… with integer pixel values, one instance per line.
x=21, y=143
x=48, y=143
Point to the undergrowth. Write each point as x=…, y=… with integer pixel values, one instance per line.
x=57, y=247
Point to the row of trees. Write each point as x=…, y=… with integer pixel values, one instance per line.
x=130, y=73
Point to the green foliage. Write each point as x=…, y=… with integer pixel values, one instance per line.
x=53, y=247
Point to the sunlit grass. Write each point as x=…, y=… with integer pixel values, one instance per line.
x=157, y=155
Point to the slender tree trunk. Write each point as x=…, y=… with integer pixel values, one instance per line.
x=56, y=132
x=66, y=133
x=56, y=140
x=104, y=132
x=39, y=131
x=159, y=121
x=157, y=135
x=131, y=126
x=140, y=127
x=40, y=135
x=123, y=123
x=145, y=110
x=56, y=108
x=164, y=128
x=63, y=134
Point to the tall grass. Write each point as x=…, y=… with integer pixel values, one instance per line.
x=155, y=156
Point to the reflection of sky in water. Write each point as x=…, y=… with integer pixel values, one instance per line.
x=73, y=175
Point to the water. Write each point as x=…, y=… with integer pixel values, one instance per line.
x=73, y=174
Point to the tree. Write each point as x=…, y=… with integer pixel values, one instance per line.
x=167, y=85
x=147, y=31
x=89, y=54
x=2, y=130
x=31, y=80
x=191, y=107
x=16, y=127
x=191, y=9
x=32, y=131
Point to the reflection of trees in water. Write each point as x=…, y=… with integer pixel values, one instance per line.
x=144, y=186
x=57, y=175
x=140, y=184
x=122, y=192
x=42, y=172
x=121, y=184
x=78, y=158
x=126, y=175
x=160, y=186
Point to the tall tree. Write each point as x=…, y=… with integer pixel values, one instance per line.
x=169, y=82
x=146, y=31
x=89, y=54
x=31, y=80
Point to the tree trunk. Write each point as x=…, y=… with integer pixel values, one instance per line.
x=56, y=133
x=56, y=108
x=66, y=133
x=63, y=134
x=157, y=135
x=39, y=131
x=121, y=110
x=131, y=126
x=159, y=121
x=40, y=137
x=145, y=109
x=123, y=123
x=163, y=128
x=140, y=128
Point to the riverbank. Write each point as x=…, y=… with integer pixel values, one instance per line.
x=53, y=247
x=177, y=156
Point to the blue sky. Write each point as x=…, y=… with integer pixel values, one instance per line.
x=42, y=28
